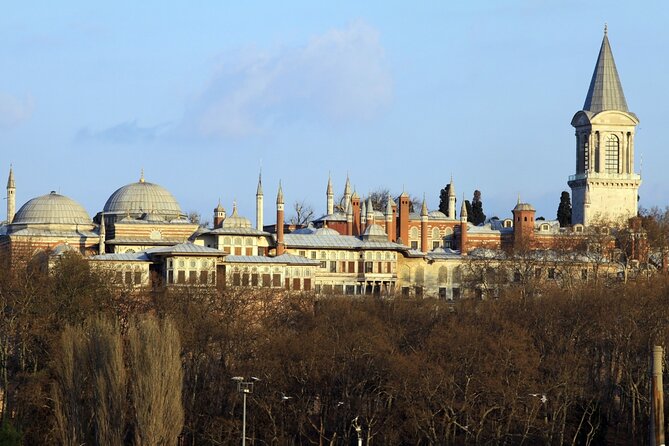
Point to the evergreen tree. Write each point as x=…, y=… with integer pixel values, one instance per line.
x=443, y=199
x=470, y=214
x=564, y=209
x=477, y=216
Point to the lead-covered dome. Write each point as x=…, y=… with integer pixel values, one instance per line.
x=52, y=208
x=139, y=198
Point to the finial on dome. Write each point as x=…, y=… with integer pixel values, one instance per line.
x=518, y=198
x=141, y=176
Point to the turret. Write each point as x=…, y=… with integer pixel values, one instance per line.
x=219, y=215
x=423, y=226
x=11, y=196
x=370, y=213
x=363, y=216
x=259, y=205
x=523, y=225
x=330, y=197
x=280, y=247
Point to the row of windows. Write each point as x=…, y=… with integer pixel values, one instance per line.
x=270, y=281
x=370, y=267
x=611, y=153
x=191, y=263
x=436, y=233
x=193, y=277
x=128, y=277
x=347, y=255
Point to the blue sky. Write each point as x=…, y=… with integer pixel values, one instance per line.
x=397, y=95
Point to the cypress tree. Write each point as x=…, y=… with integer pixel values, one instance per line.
x=564, y=209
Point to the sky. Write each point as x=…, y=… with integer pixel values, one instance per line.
x=396, y=95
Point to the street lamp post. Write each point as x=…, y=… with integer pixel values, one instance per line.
x=245, y=388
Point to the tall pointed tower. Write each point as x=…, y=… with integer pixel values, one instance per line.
x=11, y=196
x=605, y=187
x=259, y=204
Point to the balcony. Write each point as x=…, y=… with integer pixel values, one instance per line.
x=606, y=176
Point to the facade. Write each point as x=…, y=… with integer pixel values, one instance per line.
x=145, y=241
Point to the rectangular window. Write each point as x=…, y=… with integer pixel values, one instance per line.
x=138, y=277
x=455, y=292
x=236, y=279
x=302, y=253
x=324, y=264
x=128, y=277
x=351, y=267
x=245, y=279
x=516, y=276
x=238, y=250
x=339, y=289
x=435, y=244
x=313, y=254
x=307, y=284
x=181, y=277
x=414, y=244
x=419, y=291
x=350, y=289
x=296, y=284
x=405, y=291
x=276, y=280
x=192, y=276
x=551, y=273
x=442, y=293
x=333, y=266
x=266, y=280
x=204, y=277
x=254, y=279
x=369, y=267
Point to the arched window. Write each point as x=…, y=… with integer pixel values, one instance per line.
x=612, y=154
x=413, y=234
x=586, y=153
x=435, y=233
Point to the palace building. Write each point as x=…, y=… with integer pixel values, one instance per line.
x=143, y=238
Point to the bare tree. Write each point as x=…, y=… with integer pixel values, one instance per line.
x=304, y=213
x=157, y=381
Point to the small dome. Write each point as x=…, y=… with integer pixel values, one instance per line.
x=325, y=231
x=524, y=207
x=374, y=233
x=235, y=220
x=52, y=208
x=142, y=197
x=436, y=214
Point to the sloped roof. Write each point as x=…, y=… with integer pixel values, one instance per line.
x=606, y=91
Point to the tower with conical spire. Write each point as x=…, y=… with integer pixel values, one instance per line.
x=451, y=200
x=259, y=204
x=11, y=196
x=330, y=197
x=605, y=187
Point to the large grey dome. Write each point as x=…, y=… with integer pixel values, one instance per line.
x=52, y=208
x=142, y=197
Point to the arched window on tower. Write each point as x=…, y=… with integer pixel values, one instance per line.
x=586, y=153
x=612, y=153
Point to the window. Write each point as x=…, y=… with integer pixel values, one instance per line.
x=516, y=276
x=333, y=266
x=369, y=267
x=324, y=264
x=586, y=154
x=405, y=291
x=302, y=253
x=551, y=273
x=138, y=277
x=313, y=254
x=192, y=276
x=181, y=277
x=414, y=244
x=204, y=277
x=612, y=154
x=419, y=291
x=442, y=293
x=584, y=274
x=456, y=293
x=435, y=244
x=545, y=227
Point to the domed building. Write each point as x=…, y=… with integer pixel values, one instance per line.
x=47, y=222
x=140, y=216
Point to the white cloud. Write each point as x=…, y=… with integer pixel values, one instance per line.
x=340, y=75
x=128, y=132
x=14, y=111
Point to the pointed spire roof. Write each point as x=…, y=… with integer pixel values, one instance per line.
x=389, y=205
x=423, y=209
x=259, y=190
x=279, y=195
x=606, y=91
x=329, y=190
x=10, y=180
x=370, y=206
x=463, y=210
x=219, y=207
x=347, y=186
x=451, y=188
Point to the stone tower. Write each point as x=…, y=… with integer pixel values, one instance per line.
x=11, y=196
x=605, y=187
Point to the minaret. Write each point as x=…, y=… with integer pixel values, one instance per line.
x=370, y=213
x=11, y=196
x=604, y=149
x=423, y=226
x=330, y=197
x=259, y=204
x=451, y=200
x=390, y=230
x=219, y=215
x=363, y=216
x=280, y=248
x=393, y=206
x=103, y=235
x=463, y=229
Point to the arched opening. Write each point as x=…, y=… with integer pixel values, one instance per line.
x=612, y=154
